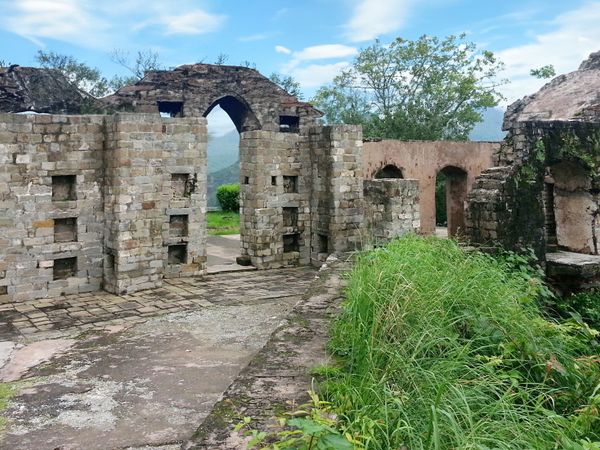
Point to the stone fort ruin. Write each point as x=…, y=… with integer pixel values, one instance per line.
x=117, y=201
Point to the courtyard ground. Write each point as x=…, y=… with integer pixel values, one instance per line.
x=97, y=371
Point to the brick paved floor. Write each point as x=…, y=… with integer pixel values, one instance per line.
x=87, y=310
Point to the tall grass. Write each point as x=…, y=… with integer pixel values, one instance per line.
x=441, y=349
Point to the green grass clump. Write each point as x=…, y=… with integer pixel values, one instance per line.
x=443, y=349
x=7, y=391
x=221, y=223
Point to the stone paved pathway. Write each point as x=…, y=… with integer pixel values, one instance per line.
x=135, y=372
x=87, y=310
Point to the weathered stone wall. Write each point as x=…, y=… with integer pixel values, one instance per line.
x=252, y=100
x=337, y=189
x=275, y=186
x=391, y=208
x=506, y=206
x=423, y=160
x=50, y=244
x=144, y=151
x=89, y=202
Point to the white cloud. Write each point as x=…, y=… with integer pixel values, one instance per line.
x=372, y=18
x=282, y=49
x=316, y=75
x=102, y=24
x=255, y=37
x=574, y=36
x=326, y=51
x=191, y=22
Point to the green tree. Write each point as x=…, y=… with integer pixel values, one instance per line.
x=287, y=83
x=430, y=88
x=543, y=72
x=144, y=61
x=87, y=79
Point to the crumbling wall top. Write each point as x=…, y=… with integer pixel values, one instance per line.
x=251, y=99
x=37, y=90
x=574, y=96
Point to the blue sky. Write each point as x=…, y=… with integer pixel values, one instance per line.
x=311, y=39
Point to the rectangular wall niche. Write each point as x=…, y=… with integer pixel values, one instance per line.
x=290, y=184
x=291, y=243
x=63, y=188
x=65, y=230
x=289, y=124
x=290, y=217
x=178, y=225
x=323, y=244
x=170, y=109
x=180, y=184
x=3, y=290
x=177, y=254
x=64, y=268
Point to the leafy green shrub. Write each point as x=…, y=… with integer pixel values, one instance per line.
x=584, y=306
x=228, y=196
x=446, y=349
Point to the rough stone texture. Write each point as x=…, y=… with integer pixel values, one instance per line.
x=277, y=379
x=507, y=204
x=252, y=101
x=119, y=169
x=573, y=272
x=38, y=90
x=422, y=161
x=391, y=208
x=33, y=150
x=337, y=203
x=574, y=96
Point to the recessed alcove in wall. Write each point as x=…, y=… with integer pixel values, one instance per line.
x=3, y=290
x=65, y=230
x=290, y=216
x=291, y=243
x=290, y=184
x=177, y=254
x=389, y=171
x=64, y=188
x=64, y=268
x=180, y=185
x=178, y=225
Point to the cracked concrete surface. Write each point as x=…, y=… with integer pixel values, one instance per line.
x=140, y=385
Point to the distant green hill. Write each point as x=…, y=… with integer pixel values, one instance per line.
x=230, y=174
x=490, y=129
x=223, y=151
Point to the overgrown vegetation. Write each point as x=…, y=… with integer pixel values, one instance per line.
x=7, y=390
x=221, y=223
x=445, y=349
x=228, y=196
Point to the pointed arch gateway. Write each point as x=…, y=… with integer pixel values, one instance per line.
x=238, y=110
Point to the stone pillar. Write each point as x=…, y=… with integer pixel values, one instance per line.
x=274, y=199
x=337, y=195
x=144, y=242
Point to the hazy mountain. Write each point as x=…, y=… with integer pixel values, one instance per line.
x=223, y=151
x=227, y=175
x=490, y=129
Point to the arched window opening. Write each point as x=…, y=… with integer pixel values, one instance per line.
x=389, y=171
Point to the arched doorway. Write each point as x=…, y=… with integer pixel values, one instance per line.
x=227, y=118
x=450, y=197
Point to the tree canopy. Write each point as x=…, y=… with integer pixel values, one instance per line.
x=429, y=88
